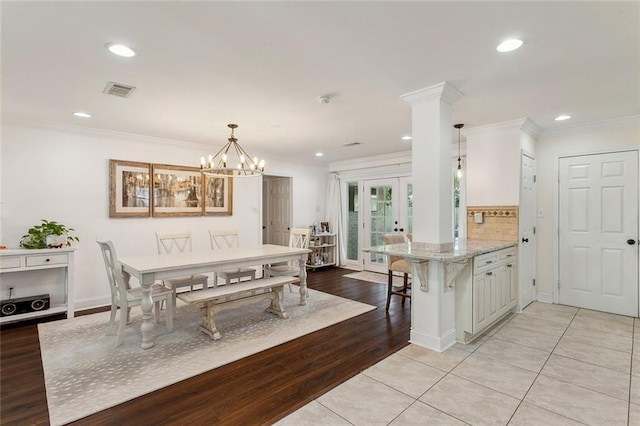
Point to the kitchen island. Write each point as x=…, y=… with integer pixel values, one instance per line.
x=459, y=289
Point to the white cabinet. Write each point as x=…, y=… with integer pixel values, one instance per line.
x=489, y=294
x=323, y=250
x=27, y=273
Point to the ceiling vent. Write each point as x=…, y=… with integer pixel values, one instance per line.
x=118, y=89
x=352, y=144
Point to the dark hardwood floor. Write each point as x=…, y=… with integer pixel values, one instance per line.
x=256, y=390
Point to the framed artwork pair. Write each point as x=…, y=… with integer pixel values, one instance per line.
x=161, y=190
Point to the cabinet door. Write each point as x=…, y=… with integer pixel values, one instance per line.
x=481, y=289
x=512, y=283
x=504, y=285
x=493, y=295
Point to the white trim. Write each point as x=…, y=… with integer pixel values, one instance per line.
x=112, y=133
x=393, y=159
x=524, y=124
x=444, y=91
x=438, y=344
x=544, y=297
x=91, y=303
x=600, y=125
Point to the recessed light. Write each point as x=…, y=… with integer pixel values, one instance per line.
x=406, y=138
x=509, y=45
x=82, y=114
x=319, y=154
x=562, y=117
x=121, y=50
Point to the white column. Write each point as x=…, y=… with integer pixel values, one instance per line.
x=433, y=311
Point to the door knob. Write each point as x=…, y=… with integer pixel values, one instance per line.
x=631, y=241
x=525, y=240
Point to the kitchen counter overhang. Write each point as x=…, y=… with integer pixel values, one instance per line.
x=460, y=249
x=453, y=255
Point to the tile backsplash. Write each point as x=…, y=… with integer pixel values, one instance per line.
x=498, y=223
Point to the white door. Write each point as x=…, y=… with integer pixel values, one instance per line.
x=277, y=200
x=598, y=241
x=526, y=224
x=387, y=209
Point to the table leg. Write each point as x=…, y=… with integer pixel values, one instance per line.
x=304, y=293
x=147, y=310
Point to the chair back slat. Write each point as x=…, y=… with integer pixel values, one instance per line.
x=172, y=243
x=299, y=237
x=223, y=239
x=117, y=283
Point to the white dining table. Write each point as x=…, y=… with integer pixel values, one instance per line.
x=148, y=269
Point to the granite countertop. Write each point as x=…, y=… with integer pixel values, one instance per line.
x=458, y=250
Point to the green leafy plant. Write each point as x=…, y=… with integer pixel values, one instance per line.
x=36, y=238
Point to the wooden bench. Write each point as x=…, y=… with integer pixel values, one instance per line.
x=231, y=296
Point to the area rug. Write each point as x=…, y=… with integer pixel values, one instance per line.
x=375, y=277
x=84, y=373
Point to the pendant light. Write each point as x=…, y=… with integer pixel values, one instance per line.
x=459, y=171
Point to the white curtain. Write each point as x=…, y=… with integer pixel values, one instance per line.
x=335, y=214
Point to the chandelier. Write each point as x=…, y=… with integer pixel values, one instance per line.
x=232, y=160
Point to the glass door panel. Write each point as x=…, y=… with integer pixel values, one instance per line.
x=381, y=213
x=352, y=221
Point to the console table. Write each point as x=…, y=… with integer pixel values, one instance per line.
x=36, y=272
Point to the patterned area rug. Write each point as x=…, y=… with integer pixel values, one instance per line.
x=375, y=277
x=84, y=373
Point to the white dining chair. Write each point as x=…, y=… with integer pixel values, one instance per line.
x=227, y=240
x=179, y=243
x=298, y=238
x=124, y=298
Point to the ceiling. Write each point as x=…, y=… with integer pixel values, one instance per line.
x=201, y=65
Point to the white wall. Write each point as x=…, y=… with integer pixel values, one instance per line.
x=493, y=164
x=62, y=174
x=608, y=136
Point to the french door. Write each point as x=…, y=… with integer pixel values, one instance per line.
x=388, y=205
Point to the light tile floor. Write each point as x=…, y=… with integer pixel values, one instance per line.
x=550, y=365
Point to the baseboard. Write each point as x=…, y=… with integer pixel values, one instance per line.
x=544, y=297
x=438, y=344
x=91, y=303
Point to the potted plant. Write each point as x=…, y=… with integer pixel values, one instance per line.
x=49, y=234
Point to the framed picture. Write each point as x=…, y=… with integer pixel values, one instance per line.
x=218, y=195
x=177, y=191
x=324, y=227
x=129, y=191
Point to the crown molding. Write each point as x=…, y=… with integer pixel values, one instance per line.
x=524, y=124
x=102, y=132
x=444, y=91
x=394, y=159
x=615, y=123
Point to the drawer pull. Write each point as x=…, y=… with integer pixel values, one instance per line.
x=509, y=265
x=489, y=273
x=47, y=260
x=488, y=262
